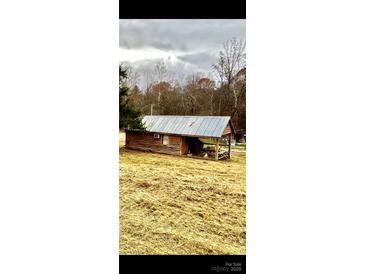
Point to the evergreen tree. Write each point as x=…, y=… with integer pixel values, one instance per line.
x=129, y=117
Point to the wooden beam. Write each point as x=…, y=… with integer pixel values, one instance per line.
x=229, y=146
x=216, y=149
x=126, y=138
x=181, y=145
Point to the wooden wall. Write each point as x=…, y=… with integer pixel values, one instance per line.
x=173, y=140
x=145, y=141
x=184, y=147
x=228, y=129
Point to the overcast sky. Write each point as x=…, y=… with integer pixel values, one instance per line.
x=186, y=45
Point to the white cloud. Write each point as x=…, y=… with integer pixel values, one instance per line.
x=135, y=55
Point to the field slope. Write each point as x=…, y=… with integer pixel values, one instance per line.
x=180, y=205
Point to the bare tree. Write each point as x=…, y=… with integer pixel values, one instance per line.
x=207, y=85
x=148, y=80
x=161, y=73
x=231, y=61
x=133, y=76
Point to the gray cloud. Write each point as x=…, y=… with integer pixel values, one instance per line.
x=203, y=60
x=183, y=34
x=193, y=45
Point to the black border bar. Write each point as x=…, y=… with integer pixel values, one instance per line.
x=182, y=264
x=187, y=9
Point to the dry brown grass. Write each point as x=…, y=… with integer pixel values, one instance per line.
x=180, y=205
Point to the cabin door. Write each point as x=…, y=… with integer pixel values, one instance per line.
x=194, y=144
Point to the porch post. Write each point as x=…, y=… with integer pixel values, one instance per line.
x=181, y=145
x=229, y=145
x=216, y=149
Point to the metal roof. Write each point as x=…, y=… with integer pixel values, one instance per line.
x=200, y=126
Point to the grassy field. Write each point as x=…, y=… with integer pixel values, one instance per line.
x=181, y=205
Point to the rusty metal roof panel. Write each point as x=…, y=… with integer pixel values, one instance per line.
x=201, y=126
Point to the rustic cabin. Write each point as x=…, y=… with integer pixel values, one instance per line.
x=184, y=135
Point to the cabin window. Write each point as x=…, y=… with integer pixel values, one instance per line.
x=165, y=140
x=156, y=136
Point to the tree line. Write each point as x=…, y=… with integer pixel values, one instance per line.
x=224, y=94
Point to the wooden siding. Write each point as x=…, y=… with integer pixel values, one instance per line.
x=173, y=140
x=228, y=129
x=184, y=147
x=133, y=137
x=145, y=141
